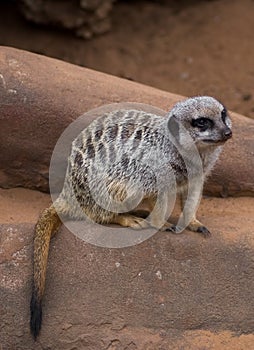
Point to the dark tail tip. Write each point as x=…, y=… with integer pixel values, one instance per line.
x=36, y=315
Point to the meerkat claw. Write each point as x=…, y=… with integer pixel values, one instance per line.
x=204, y=231
x=174, y=229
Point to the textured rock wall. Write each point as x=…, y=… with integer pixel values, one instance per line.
x=85, y=17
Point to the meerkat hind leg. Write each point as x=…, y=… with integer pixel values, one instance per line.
x=158, y=214
x=128, y=220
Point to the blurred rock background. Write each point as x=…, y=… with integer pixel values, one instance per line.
x=85, y=17
x=186, y=47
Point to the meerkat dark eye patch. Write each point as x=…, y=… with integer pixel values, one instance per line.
x=224, y=115
x=202, y=123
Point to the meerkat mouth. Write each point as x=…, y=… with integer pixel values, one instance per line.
x=215, y=142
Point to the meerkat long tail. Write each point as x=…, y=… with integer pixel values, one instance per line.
x=47, y=224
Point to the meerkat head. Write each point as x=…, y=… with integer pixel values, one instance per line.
x=204, y=118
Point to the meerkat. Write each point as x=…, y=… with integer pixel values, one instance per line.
x=123, y=153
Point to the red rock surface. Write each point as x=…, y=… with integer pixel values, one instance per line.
x=170, y=292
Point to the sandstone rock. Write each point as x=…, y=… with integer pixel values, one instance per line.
x=41, y=96
x=84, y=17
x=170, y=292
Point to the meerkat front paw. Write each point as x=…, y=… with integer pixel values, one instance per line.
x=194, y=226
x=171, y=228
x=204, y=231
x=197, y=226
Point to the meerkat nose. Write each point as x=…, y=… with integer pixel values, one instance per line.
x=227, y=133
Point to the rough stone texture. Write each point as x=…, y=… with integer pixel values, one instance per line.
x=170, y=292
x=40, y=96
x=85, y=17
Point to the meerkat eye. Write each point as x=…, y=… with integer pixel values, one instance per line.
x=224, y=115
x=202, y=123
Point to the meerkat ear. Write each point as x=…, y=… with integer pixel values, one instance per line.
x=173, y=127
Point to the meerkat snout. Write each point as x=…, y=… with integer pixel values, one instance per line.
x=227, y=133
